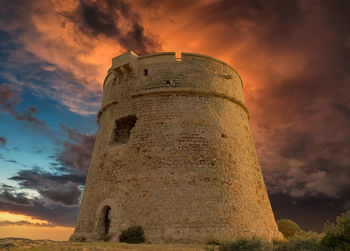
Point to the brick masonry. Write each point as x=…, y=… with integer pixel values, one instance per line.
x=174, y=154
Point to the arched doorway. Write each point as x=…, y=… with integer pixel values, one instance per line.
x=106, y=219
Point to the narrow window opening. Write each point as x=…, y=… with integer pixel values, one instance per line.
x=178, y=56
x=107, y=220
x=123, y=129
x=145, y=72
x=168, y=82
x=114, y=80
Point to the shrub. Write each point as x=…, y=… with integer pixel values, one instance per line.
x=337, y=235
x=309, y=235
x=132, y=235
x=245, y=245
x=288, y=228
x=298, y=244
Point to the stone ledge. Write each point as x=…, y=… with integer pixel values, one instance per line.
x=183, y=91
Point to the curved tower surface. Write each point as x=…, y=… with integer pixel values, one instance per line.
x=174, y=154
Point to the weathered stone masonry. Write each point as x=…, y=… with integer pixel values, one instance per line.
x=174, y=154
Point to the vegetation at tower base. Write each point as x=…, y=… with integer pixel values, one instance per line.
x=132, y=235
x=300, y=244
x=337, y=235
x=174, y=154
x=288, y=228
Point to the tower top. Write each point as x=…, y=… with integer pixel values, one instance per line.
x=130, y=59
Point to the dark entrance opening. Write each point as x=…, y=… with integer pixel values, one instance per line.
x=107, y=220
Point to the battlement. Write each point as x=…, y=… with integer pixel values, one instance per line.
x=169, y=73
x=129, y=62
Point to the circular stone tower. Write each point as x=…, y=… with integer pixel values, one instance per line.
x=174, y=155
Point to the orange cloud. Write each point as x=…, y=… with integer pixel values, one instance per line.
x=32, y=232
x=23, y=226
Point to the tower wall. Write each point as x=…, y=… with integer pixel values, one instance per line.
x=174, y=154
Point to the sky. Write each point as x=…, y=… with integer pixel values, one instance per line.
x=293, y=57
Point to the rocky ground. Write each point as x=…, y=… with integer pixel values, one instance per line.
x=19, y=244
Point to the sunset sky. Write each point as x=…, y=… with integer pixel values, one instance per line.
x=293, y=57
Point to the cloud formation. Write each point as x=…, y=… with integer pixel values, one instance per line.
x=70, y=166
x=10, y=97
x=113, y=19
x=69, y=47
x=59, y=189
x=56, y=214
x=24, y=223
x=76, y=153
x=53, y=66
x=8, y=195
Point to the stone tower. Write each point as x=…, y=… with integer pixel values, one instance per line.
x=174, y=154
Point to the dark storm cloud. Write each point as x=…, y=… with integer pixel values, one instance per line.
x=311, y=156
x=59, y=188
x=279, y=19
x=62, y=185
x=40, y=208
x=317, y=29
x=104, y=18
x=6, y=194
x=228, y=11
x=302, y=104
x=77, y=152
x=309, y=212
